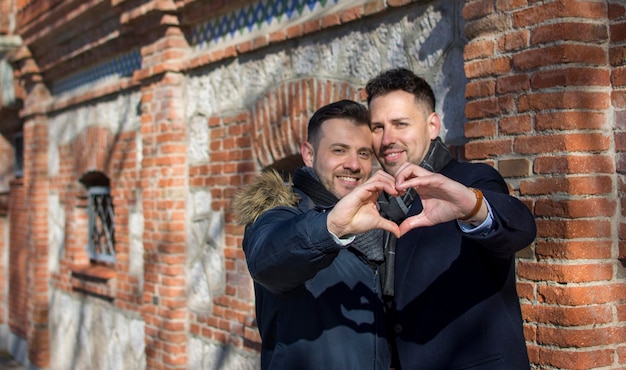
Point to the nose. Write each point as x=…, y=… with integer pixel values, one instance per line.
x=388, y=137
x=352, y=163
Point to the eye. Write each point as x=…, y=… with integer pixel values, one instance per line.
x=365, y=154
x=376, y=128
x=401, y=124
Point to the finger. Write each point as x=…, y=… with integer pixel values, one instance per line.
x=409, y=171
x=380, y=184
x=383, y=174
x=404, y=172
x=414, y=222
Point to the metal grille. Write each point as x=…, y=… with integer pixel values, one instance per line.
x=101, y=226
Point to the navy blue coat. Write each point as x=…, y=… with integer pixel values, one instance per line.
x=455, y=304
x=318, y=305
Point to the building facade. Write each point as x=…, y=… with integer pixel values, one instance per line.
x=128, y=125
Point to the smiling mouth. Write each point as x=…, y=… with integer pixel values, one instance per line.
x=349, y=179
x=392, y=156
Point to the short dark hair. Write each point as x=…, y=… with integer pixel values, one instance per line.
x=347, y=109
x=400, y=79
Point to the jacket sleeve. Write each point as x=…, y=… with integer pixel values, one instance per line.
x=286, y=247
x=514, y=225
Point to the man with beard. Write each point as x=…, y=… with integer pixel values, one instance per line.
x=315, y=252
x=454, y=301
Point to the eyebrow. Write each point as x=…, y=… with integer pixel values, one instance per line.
x=394, y=120
x=347, y=146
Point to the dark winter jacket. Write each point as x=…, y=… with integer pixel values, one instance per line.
x=455, y=304
x=318, y=304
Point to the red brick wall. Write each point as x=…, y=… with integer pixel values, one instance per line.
x=540, y=108
x=617, y=60
x=272, y=130
x=163, y=180
x=36, y=189
x=18, y=254
x=97, y=149
x=7, y=10
x=545, y=105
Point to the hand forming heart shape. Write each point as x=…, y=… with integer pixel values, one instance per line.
x=443, y=200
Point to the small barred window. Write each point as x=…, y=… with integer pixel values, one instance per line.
x=101, y=225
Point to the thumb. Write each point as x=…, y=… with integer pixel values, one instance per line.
x=390, y=226
x=411, y=223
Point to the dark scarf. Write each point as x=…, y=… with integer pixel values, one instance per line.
x=396, y=208
x=369, y=244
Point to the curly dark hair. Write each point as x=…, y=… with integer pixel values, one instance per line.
x=400, y=79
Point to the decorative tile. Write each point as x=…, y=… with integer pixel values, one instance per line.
x=257, y=18
x=243, y=24
x=122, y=66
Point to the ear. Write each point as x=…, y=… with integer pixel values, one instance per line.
x=308, y=153
x=434, y=125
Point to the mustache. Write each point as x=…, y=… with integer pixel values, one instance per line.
x=384, y=148
x=350, y=173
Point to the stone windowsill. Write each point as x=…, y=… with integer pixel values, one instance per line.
x=94, y=280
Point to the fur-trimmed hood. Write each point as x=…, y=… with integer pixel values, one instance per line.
x=267, y=191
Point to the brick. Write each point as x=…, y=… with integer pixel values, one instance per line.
x=571, y=77
x=480, y=129
x=575, y=208
x=563, y=100
x=373, y=7
x=312, y=26
x=486, y=149
x=330, y=20
x=575, y=359
x=509, y=5
x=479, y=89
x=616, y=10
x=515, y=83
x=482, y=108
x=618, y=76
x=582, y=295
x=478, y=68
x=621, y=312
x=619, y=99
x=578, y=338
x=618, y=32
x=570, y=120
x=477, y=9
x=542, y=12
x=574, y=164
x=514, y=167
x=564, y=316
x=569, y=31
x=511, y=41
x=478, y=49
x=501, y=65
x=573, y=249
x=573, y=229
x=565, y=273
x=583, y=142
x=559, y=54
x=516, y=124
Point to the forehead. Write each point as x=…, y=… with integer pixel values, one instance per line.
x=344, y=131
x=395, y=103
